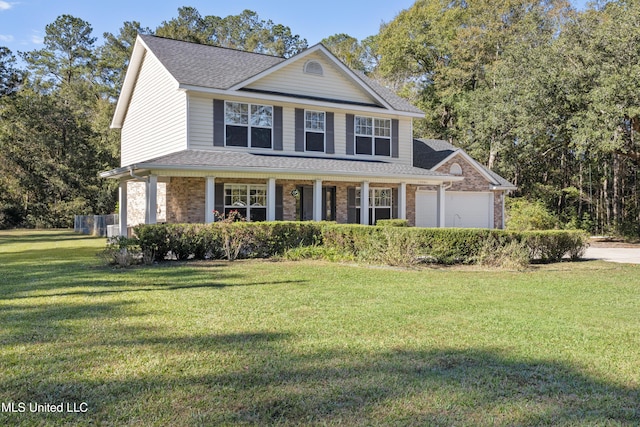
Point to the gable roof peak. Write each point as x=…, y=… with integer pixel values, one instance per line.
x=148, y=37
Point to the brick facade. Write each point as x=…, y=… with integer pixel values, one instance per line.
x=136, y=202
x=185, y=198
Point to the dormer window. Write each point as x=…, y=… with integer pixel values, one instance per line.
x=313, y=67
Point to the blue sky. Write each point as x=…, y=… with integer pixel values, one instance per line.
x=22, y=22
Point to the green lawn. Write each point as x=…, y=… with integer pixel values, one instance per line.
x=261, y=342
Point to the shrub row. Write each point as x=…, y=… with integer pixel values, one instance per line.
x=392, y=244
x=220, y=240
x=397, y=246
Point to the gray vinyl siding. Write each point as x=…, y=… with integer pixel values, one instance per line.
x=333, y=84
x=200, y=122
x=201, y=128
x=149, y=131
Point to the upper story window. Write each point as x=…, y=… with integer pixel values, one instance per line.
x=314, y=130
x=248, y=125
x=313, y=67
x=373, y=136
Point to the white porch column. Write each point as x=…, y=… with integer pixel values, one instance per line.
x=402, y=201
x=122, y=206
x=317, y=200
x=271, y=199
x=441, y=212
x=492, y=203
x=209, y=199
x=364, y=203
x=151, y=208
x=502, y=222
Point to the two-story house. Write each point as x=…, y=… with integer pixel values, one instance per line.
x=206, y=128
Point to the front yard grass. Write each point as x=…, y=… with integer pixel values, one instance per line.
x=264, y=342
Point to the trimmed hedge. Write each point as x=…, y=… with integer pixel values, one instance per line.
x=207, y=241
x=448, y=245
x=392, y=223
x=391, y=243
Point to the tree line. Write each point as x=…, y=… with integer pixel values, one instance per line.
x=56, y=105
x=545, y=95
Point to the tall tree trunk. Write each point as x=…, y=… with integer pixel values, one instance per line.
x=580, y=185
x=615, y=200
x=606, y=199
x=492, y=153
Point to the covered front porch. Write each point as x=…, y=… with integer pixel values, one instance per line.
x=180, y=199
x=194, y=184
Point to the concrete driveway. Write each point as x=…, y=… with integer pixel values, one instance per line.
x=611, y=254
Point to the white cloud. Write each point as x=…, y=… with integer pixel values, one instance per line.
x=5, y=5
x=6, y=38
x=36, y=39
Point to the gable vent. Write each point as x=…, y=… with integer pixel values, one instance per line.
x=455, y=169
x=313, y=67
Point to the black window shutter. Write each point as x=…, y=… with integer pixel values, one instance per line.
x=330, y=147
x=218, y=123
x=219, y=198
x=299, y=129
x=394, y=203
x=350, y=137
x=352, y=217
x=277, y=128
x=394, y=138
x=279, y=207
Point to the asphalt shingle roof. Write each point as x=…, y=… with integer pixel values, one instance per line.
x=388, y=95
x=213, y=160
x=222, y=68
x=428, y=153
x=208, y=66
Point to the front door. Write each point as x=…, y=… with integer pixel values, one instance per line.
x=304, y=203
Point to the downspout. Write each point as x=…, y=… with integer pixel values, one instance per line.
x=138, y=177
x=150, y=215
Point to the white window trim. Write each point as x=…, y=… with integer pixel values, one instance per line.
x=372, y=198
x=372, y=136
x=248, y=125
x=248, y=199
x=372, y=191
x=324, y=132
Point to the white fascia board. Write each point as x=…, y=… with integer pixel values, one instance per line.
x=503, y=188
x=470, y=160
x=319, y=47
x=159, y=169
x=297, y=100
x=140, y=49
x=130, y=78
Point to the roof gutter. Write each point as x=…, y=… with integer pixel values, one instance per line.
x=129, y=170
x=503, y=188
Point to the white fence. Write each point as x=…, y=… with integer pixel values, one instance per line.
x=98, y=225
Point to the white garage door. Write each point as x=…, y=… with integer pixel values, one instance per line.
x=462, y=209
